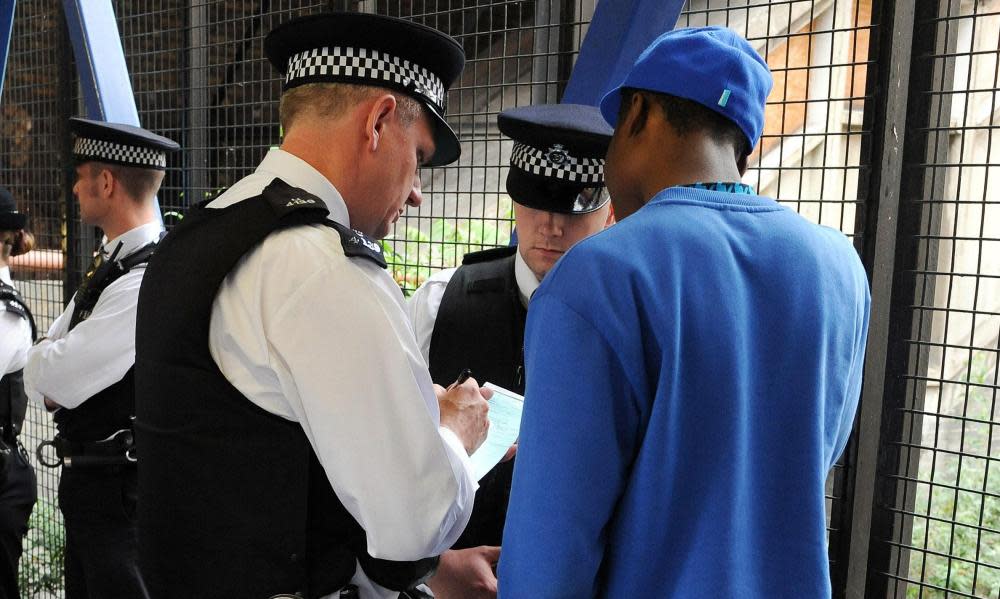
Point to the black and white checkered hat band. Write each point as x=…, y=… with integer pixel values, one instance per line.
x=558, y=164
x=371, y=65
x=96, y=149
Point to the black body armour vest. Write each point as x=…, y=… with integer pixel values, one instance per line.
x=13, y=400
x=111, y=409
x=482, y=298
x=239, y=485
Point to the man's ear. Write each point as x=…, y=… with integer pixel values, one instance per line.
x=106, y=183
x=636, y=114
x=381, y=111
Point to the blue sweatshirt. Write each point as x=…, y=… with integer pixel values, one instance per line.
x=692, y=375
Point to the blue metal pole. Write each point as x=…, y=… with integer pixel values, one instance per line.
x=6, y=29
x=100, y=62
x=618, y=33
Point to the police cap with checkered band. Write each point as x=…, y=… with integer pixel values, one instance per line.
x=10, y=218
x=117, y=143
x=367, y=49
x=557, y=163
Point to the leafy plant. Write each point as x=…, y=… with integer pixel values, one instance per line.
x=957, y=545
x=41, y=569
x=419, y=254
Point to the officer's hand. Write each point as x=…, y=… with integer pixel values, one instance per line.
x=464, y=411
x=466, y=574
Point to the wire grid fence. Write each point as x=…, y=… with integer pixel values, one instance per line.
x=33, y=140
x=199, y=77
x=946, y=542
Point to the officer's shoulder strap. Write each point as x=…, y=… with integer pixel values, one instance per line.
x=285, y=199
x=357, y=244
x=11, y=301
x=489, y=255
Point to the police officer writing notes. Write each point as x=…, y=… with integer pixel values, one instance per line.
x=17, y=330
x=711, y=370
x=557, y=184
x=83, y=369
x=291, y=437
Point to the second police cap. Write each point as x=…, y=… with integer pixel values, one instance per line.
x=375, y=50
x=117, y=143
x=713, y=66
x=557, y=163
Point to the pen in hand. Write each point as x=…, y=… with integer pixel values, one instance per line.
x=462, y=377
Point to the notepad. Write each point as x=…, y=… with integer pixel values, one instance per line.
x=505, y=426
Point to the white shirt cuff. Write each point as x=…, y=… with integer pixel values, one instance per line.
x=453, y=443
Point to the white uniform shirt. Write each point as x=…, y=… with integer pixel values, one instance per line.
x=318, y=338
x=423, y=305
x=15, y=335
x=70, y=367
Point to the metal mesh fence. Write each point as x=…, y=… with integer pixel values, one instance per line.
x=946, y=465
x=199, y=77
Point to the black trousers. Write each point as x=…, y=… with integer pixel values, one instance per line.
x=18, y=493
x=98, y=505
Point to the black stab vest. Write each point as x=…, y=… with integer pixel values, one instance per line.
x=480, y=325
x=110, y=409
x=13, y=400
x=235, y=502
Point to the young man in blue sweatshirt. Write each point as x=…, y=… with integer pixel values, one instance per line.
x=684, y=411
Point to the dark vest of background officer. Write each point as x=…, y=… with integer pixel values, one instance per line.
x=83, y=369
x=17, y=330
x=557, y=185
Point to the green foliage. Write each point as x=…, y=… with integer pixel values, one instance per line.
x=945, y=552
x=420, y=254
x=41, y=570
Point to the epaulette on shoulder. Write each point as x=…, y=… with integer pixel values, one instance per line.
x=10, y=301
x=285, y=199
x=357, y=244
x=489, y=255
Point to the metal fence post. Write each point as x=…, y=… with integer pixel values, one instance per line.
x=899, y=117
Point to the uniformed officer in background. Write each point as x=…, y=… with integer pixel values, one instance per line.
x=83, y=368
x=556, y=181
x=18, y=491
x=290, y=433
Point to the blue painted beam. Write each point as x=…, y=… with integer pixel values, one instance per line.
x=100, y=64
x=618, y=33
x=100, y=61
x=6, y=28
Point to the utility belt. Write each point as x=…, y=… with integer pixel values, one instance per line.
x=117, y=450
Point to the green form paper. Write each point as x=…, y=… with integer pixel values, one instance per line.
x=505, y=425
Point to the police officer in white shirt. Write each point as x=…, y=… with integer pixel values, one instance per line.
x=18, y=489
x=82, y=370
x=292, y=440
x=556, y=180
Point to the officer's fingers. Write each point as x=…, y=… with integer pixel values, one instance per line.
x=490, y=554
x=486, y=392
x=439, y=391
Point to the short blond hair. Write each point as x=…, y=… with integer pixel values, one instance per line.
x=331, y=100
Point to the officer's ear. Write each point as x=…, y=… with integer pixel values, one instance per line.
x=106, y=183
x=379, y=115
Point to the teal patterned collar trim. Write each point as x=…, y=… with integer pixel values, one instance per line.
x=724, y=187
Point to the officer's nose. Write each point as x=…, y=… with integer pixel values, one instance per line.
x=551, y=224
x=416, y=196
